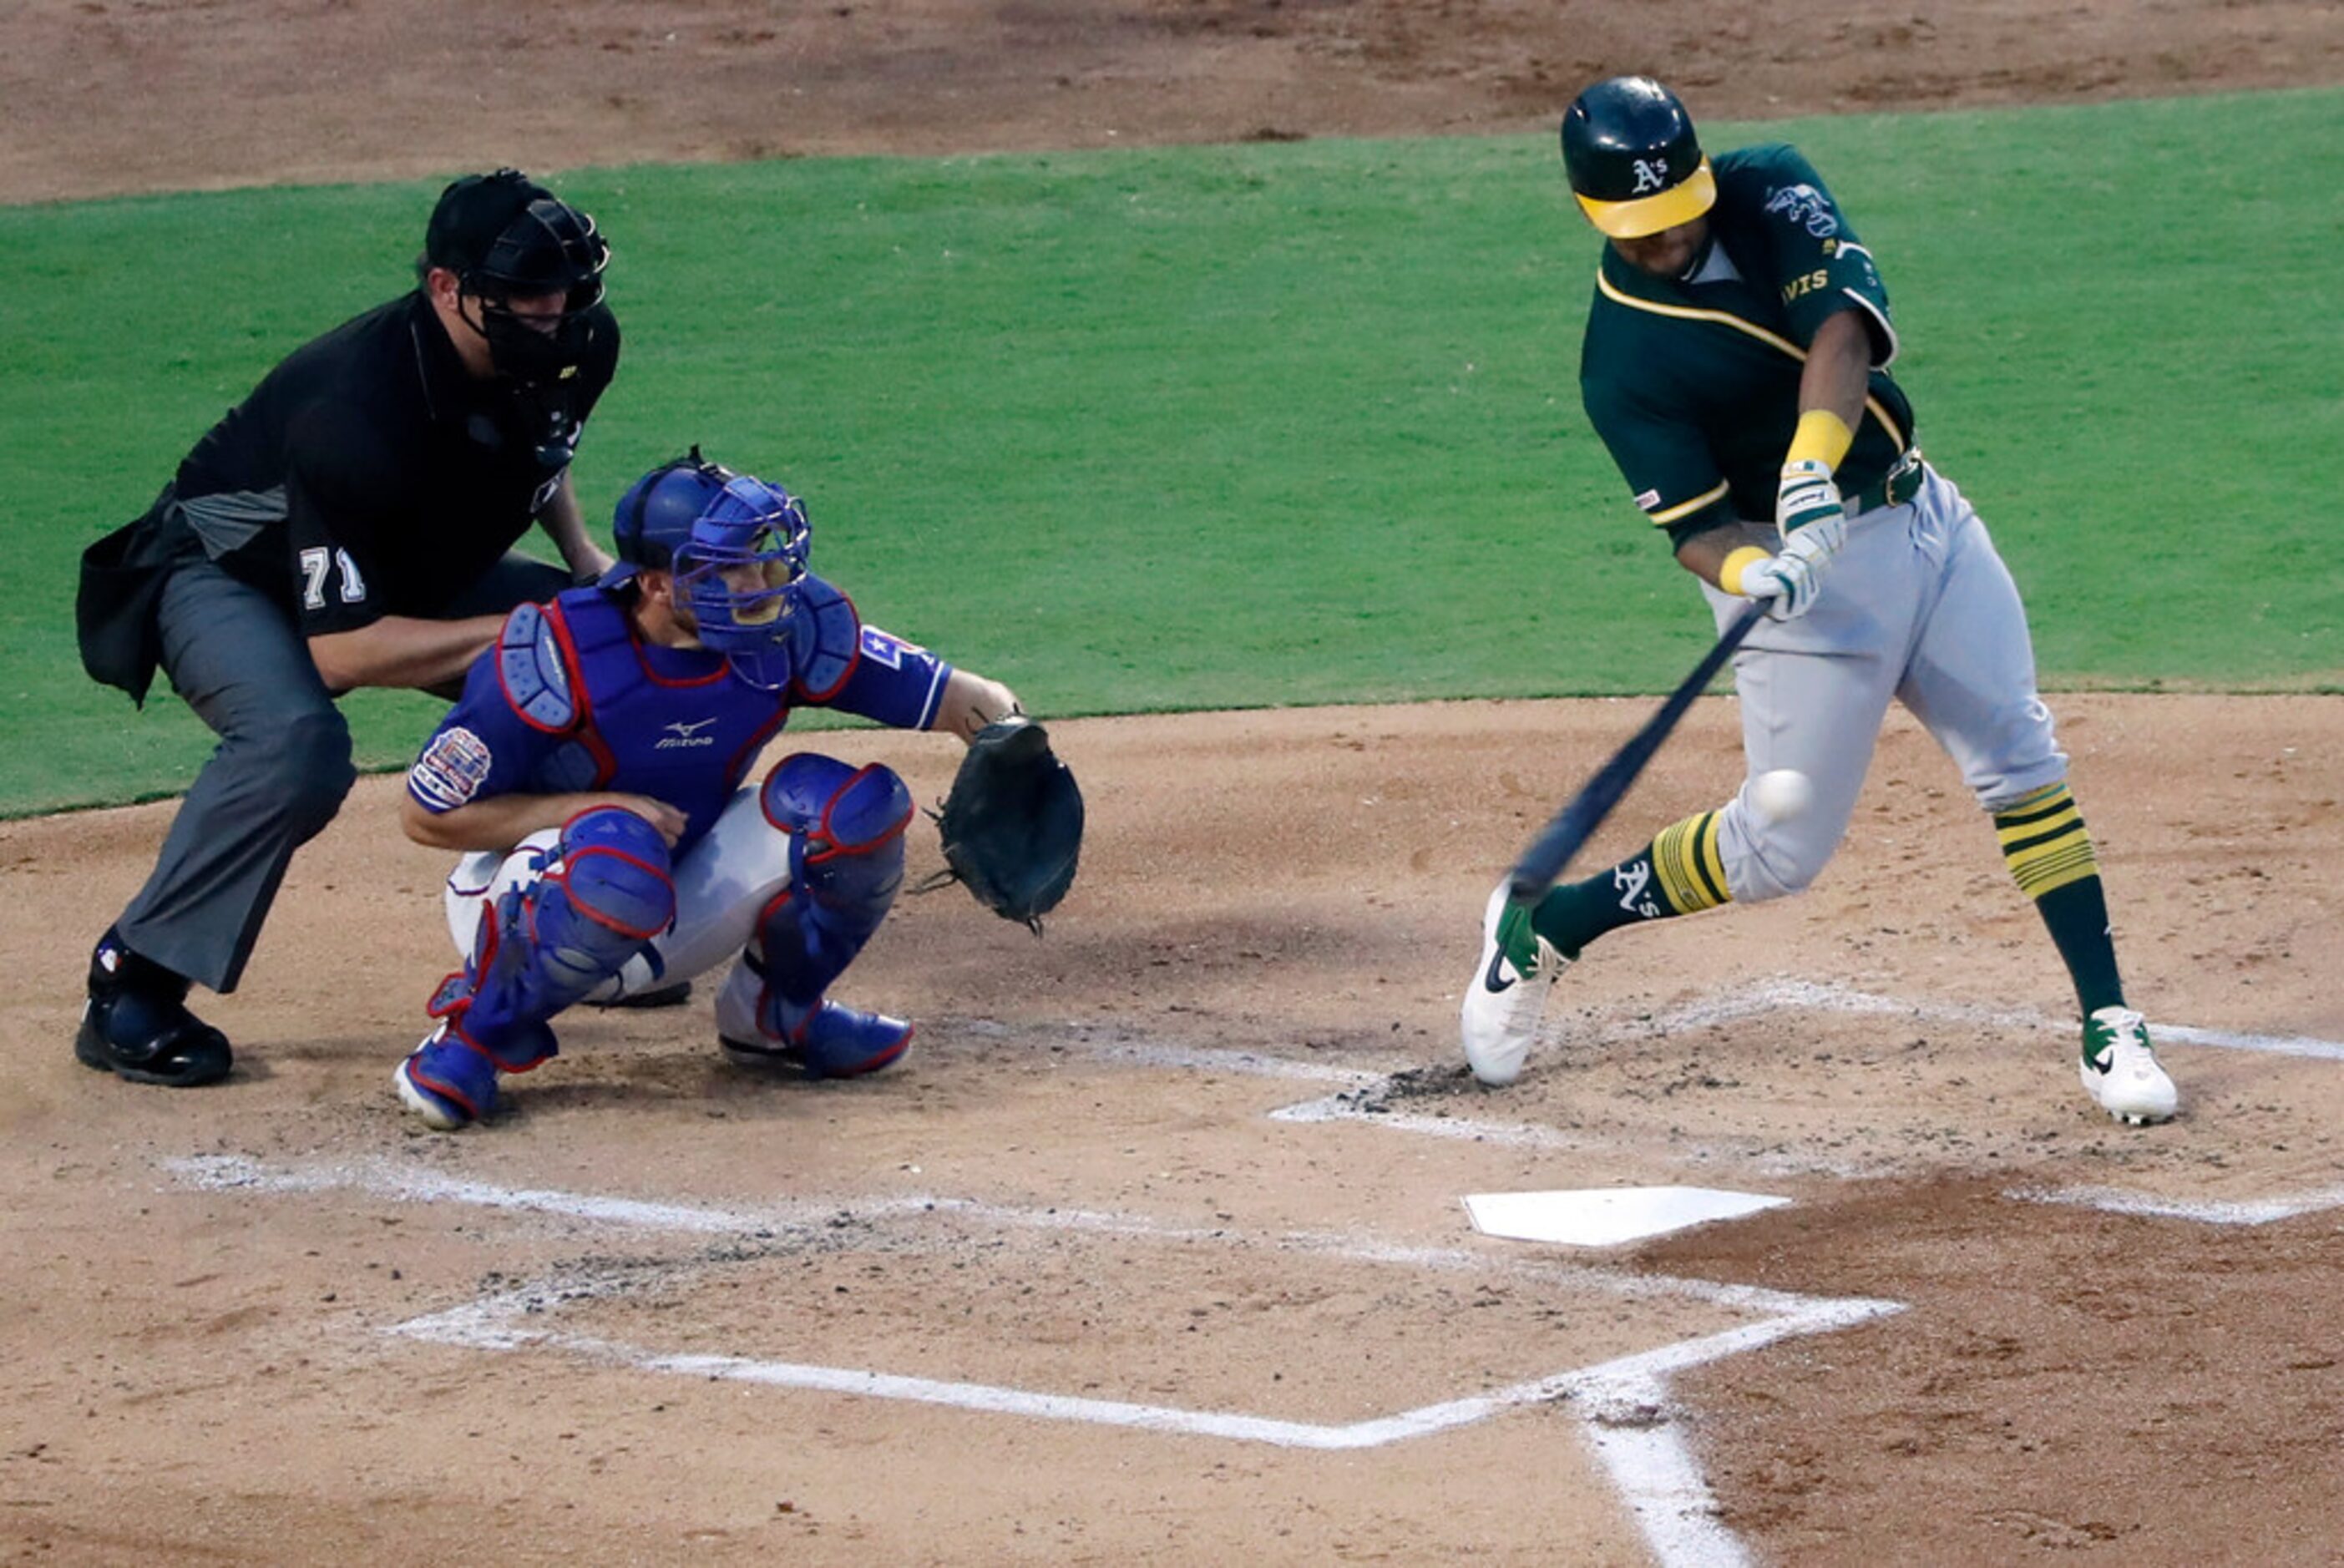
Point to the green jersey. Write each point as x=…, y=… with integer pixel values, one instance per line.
x=1694, y=384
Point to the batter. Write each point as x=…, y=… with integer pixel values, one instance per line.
x=1736, y=367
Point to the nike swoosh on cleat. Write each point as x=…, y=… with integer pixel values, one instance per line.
x=1495, y=980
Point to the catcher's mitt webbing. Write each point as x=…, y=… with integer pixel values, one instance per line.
x=1012, y=824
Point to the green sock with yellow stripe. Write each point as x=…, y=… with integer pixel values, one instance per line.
x=1679, y=872
x=2050, y=857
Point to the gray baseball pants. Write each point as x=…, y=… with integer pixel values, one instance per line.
x=1920, y=610
x=280, y=771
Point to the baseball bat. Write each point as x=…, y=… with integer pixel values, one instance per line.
x=1576, y=823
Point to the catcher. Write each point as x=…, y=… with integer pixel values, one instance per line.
x=594, y=769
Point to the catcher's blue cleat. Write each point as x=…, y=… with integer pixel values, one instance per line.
x=834, y=1041
x=448, y=1081
x=828, y=1040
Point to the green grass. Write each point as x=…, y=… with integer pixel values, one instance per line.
x=1270, y=424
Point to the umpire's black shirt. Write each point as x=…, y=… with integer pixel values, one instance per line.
x=370, y=475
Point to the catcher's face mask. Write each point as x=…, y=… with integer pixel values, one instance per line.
x=738, y=576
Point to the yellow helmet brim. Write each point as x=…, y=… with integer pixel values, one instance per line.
x=1643, y=215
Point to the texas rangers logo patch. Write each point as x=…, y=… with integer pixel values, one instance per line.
x=451, y=769
x=886, y=648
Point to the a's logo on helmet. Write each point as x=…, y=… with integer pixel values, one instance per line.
x=1652, y=174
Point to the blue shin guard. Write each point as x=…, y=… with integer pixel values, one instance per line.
x=546, y=945
x=846, y=865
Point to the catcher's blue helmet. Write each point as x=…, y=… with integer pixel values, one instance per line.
x=738, y=547
x=655, y=518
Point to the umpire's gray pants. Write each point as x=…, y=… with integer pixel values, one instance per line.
x=280, y=773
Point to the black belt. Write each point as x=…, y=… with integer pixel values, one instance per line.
x=1900, y=485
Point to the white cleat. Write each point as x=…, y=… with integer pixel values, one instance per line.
x=2120, y=1072
x=1506, y=1000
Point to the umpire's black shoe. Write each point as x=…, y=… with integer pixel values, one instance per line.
x=136, y=1024
x=674, y=996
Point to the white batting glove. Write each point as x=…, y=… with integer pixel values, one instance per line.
x=1794, y=578
x=1806, y=497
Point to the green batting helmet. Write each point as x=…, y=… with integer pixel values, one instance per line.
x=1633, y=160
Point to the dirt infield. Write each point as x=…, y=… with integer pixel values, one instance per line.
x=107, y=96
x=1153, y=1249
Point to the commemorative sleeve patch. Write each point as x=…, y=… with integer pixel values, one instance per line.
x=451, y=770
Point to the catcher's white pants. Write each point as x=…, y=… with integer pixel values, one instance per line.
x=721, y=883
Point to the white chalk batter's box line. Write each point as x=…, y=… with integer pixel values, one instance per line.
x=1769, y=996
x=2205, y=1211
x=1775, y=996
x=1623, y=1403
x=817, y=1219
x=1784, y=994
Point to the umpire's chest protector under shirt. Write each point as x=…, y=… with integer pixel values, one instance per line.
x=370, y=475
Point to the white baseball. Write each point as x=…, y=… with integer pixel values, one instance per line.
x=1781, y=795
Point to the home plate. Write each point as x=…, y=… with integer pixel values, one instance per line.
x=1607, y=1216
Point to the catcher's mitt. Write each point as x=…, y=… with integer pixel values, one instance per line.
x=1012, y=824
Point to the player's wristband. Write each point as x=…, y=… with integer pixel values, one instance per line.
x=1730, y=571
x=1822, y=437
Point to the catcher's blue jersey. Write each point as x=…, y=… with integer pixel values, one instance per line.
x=572, y=700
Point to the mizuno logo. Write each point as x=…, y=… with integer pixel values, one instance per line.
x=683, y=734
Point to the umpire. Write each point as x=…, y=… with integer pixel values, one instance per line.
x=347, y=525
